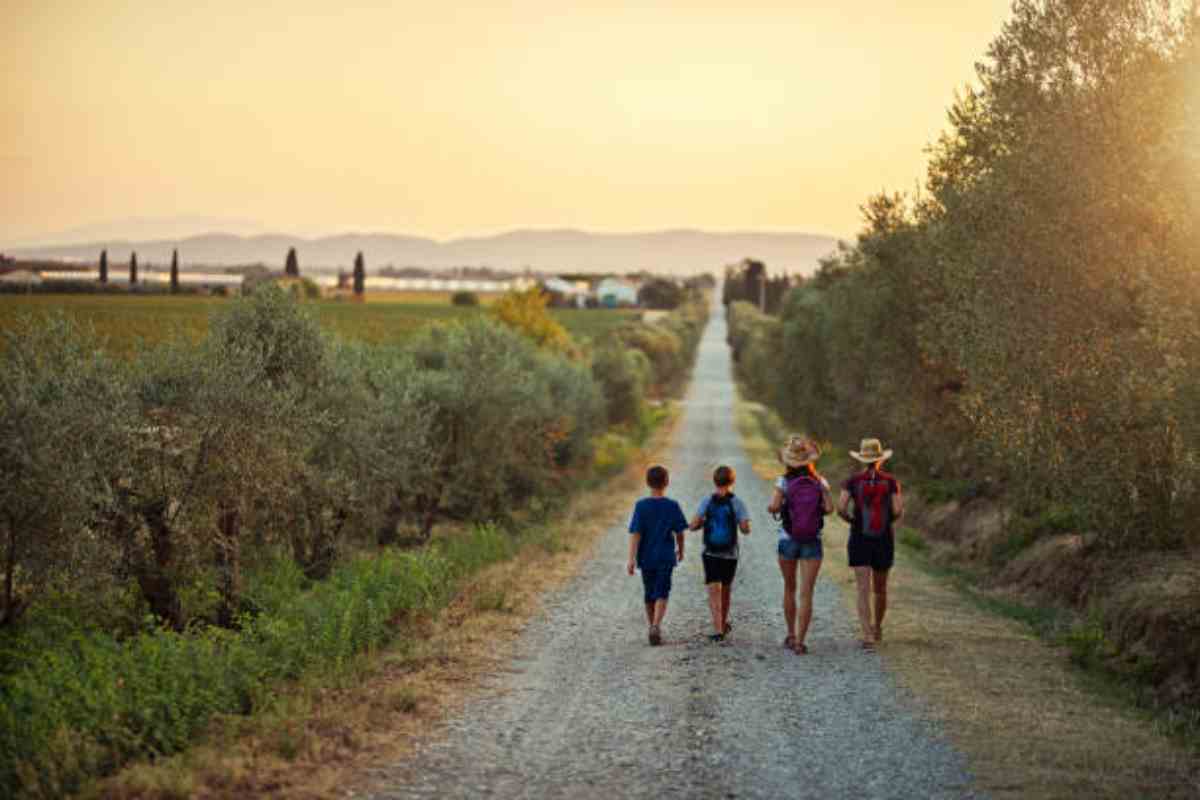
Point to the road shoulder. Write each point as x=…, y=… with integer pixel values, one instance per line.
x=1025, y=718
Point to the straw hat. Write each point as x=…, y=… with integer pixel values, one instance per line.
x=870, y=451
x=798, y=451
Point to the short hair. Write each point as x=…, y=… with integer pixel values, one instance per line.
x=657, y=477
x=724, y=476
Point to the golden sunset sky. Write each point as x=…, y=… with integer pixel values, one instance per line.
x=446, y=119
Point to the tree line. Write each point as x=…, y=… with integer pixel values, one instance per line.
x=182, y=529
x=174, y=466
x=1028, y=320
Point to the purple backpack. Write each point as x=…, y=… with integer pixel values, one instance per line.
x=803, y=508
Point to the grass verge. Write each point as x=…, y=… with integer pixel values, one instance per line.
x=323, y=732
x=1030, y=724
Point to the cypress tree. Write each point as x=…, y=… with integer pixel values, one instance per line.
x=292, y=268
x=104, y=266
x=132, y=269
x=174, y=272
x=360, y=274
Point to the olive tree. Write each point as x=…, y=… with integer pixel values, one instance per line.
x=59, y=401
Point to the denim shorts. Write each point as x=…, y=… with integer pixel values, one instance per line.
x=657, y=583
x=792, y=550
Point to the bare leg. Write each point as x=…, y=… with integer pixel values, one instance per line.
x=788, y=568
x=726, y=597
x=880, y=581
x=862, y=576
x=650, y=613
x=660, y=611
x=809, y=568
x=714, y=606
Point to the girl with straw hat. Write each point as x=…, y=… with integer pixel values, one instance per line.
x=871, y=548
x=802, y=500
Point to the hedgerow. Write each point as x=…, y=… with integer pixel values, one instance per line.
x=181, y=527
x=1029, y=320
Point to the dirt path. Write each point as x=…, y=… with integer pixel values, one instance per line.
x=590, y=710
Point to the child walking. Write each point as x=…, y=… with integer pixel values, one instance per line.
x=802, y=500
x=871, y=548
x=721, y=515
x=655, y=546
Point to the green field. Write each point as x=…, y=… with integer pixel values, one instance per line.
x=121, y=321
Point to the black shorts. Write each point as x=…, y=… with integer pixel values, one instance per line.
x=876, y=552
x=719, y=570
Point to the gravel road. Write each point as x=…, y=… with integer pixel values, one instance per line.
x=590, y=710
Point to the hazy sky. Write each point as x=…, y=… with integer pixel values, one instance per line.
x=447, y=119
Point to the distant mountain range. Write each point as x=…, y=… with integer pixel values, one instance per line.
x=675, y=251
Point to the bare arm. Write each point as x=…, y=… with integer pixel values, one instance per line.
x=634, y=540
x=826, y=497
x=843, y=506
x=679, y=546
x=696, y=523
x=776, y=502
x=897, y=504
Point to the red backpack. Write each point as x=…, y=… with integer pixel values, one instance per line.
x=873, y=502
x=803, y=508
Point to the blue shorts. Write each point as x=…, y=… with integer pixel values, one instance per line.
x=792, y=550
x=657, y=583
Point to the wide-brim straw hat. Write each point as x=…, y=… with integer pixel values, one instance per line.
x=871, y=451
x=798, y=451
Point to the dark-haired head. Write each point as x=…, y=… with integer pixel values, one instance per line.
x=724, y=476
x=657, y=477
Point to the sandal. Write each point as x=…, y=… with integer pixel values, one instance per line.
x=878, y=634
x=716, y=638
x=655, y=636
x=800, y=649
x=790, y=643
x=868, y=644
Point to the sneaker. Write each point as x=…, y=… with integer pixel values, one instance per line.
x=716, y=638
x=655, y=636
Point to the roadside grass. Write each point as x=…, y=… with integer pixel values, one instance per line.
x=1031, y=724
x=121, y=322
x=320, y=735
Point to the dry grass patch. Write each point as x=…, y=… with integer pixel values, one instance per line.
x=319, y=740
x=1026, y=720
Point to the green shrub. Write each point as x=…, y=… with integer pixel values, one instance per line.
x=507, y=423
x=60, y=417
x=462, y=298
x=948, y=491
x=621, y=382
x=92, y=703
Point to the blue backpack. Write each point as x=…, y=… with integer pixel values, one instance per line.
x=720, y=524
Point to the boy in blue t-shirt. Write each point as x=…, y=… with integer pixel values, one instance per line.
x=655, y=546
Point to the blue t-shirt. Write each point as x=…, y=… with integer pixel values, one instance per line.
x=740, y=513
x=657, y=519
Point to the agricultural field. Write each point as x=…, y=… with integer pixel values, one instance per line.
x=122, y=321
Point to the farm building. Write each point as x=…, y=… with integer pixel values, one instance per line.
x=614, y=292
x=567, y=293
x=21, y=277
